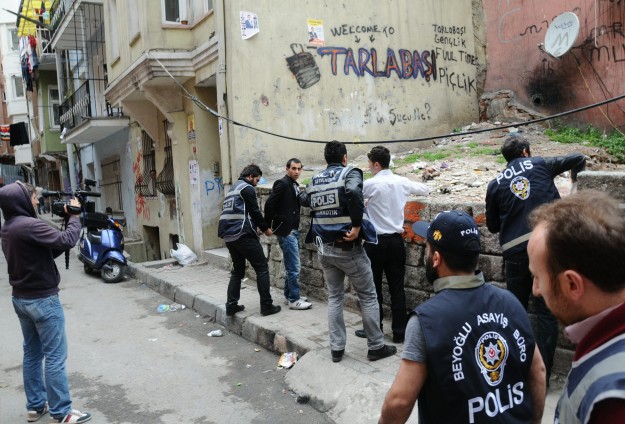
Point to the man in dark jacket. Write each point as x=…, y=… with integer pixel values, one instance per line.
x=239, y=226
x=282, y=212
x=525, y=184
x=30, y=246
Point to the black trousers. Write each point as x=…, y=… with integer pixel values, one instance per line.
x=248, y=247
x=389, y=257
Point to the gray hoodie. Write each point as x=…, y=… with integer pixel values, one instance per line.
x=30, y=245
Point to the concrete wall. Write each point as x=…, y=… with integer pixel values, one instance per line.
x=592, y=71
x=387, y=70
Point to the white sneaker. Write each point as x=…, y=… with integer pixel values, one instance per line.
x=74, y=416
x=300, y=304
x=287, y=301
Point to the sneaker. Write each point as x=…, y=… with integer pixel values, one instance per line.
x=381, y=353
x=337, y=355
x=36, y=414
x=300, y=304
x=74, y=416
x=274, y=309
x=287, y=301
x=231, y=311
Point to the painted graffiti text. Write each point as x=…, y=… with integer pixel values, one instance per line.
x=362, y=29
x=406, y=64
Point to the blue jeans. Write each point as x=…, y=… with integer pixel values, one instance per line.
x=43, y=327
x=354, y=263
x=290, y=252
x=519, y=282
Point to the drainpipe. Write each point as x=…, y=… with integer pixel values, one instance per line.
x=222, y=99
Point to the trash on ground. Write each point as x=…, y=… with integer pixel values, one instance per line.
x=152, y=340
x=239, y=384
x=170, y=308
x=171, y=266
x=183, y=254
x=248, y=366
x=257, y=350
x=303, y=398
x=215, y=333
x=287, y=359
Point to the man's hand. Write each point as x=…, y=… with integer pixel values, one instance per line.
x=72, y=202
x=352, y=234
x=269, y=232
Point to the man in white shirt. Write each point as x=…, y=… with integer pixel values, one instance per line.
x=385, y=196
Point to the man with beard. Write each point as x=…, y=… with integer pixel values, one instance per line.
x=576, y=253
x=469, y=353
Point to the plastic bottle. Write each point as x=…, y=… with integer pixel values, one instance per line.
x=215, y=333
x=163, y=308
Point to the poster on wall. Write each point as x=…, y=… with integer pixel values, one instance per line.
x=193, y=172
x=249, y=24
x=315, y=32
x=191, y=127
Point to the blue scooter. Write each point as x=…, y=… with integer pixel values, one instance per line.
x=102, y=245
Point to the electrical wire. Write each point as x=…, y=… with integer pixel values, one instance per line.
x=409, y=140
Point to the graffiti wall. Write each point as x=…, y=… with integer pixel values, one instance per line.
x=355, y=71
x=590, y=72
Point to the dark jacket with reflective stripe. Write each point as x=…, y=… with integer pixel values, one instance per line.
x=240, y=213
x=335, y=197
x=525, y=184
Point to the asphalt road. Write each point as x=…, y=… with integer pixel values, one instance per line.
x=130, y=364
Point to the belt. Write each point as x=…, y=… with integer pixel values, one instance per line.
x=389, y=235
x=345, y=245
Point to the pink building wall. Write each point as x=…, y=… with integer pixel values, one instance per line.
x=590, y=72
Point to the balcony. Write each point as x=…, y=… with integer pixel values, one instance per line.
x=87, y=118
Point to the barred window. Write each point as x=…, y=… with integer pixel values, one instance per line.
x=165, y=180
x=146, y=182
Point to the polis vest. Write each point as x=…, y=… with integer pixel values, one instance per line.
x=479, y=348
x=590, y=378
x=329, y=205
x=525, y=184
x=234, y=218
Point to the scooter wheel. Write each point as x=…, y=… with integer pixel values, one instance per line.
x=112, y=271
x=88, y=269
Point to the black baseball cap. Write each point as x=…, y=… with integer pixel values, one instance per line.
x=451, y=231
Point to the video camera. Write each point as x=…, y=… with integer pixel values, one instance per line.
x=58, y=205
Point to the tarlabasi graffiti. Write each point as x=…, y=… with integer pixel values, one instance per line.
x=411, y=64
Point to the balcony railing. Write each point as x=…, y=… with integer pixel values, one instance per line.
x=86, y=102
x=76, y=109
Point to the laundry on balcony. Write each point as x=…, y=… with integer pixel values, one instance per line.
x=5, y=134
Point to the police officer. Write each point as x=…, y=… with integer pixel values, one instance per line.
x=338, y=228
x=469, y=354
x=526, y=183
x=238, y=225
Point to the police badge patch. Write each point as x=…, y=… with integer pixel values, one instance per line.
x=520, y=187
x=491, y=353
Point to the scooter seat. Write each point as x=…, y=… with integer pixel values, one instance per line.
x=95, y=237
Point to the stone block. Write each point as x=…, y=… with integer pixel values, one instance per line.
x=311, y=277
x=612, y=183
x=185, y=297
x=415, y=278
x=492, y=267
x=414, y=254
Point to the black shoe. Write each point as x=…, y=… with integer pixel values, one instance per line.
x=274, y=309
x=337, y=355
x=398, y=337
x=383, y=352
x=233, y=310
x=361, y=333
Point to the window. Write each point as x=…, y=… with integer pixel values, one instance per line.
x=146, y=182
x=53, y=103
x=113, y=37
x=15, y=41
x=174, y=11
x=18, y=86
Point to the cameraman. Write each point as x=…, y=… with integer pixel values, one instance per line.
x=30, y=246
